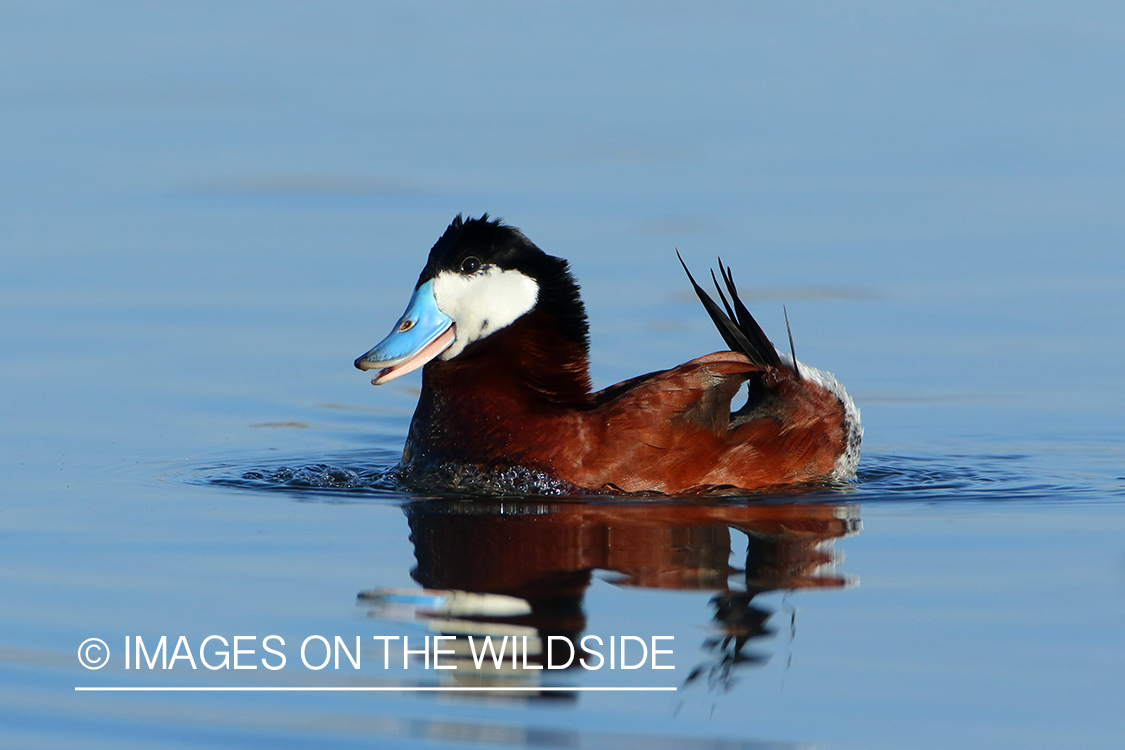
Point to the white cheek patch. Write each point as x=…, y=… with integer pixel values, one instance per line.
x=483, y=303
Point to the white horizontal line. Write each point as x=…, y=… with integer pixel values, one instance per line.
x=136, y=689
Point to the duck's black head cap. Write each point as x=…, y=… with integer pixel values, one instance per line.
x=487, y=241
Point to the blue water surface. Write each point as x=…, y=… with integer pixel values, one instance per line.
x=209, y=210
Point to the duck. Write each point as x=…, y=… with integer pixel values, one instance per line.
x=500, y=332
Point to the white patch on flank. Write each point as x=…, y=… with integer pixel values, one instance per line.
x=483, y=303
x=848, y=461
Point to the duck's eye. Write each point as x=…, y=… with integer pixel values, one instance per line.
x=405, y=326
x=470, y=264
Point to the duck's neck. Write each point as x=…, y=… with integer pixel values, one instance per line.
x=497, y=397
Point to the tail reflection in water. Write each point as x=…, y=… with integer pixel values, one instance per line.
x=522, y=568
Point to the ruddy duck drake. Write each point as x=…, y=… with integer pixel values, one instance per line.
x=500, y=331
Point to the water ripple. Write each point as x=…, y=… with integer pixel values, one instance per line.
x=371, y=475
x=979, y=478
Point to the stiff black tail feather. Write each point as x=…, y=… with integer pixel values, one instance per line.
x=745, y=335
x=792, y=349
x=746, y=321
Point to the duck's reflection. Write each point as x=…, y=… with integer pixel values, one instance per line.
x=534, y=562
